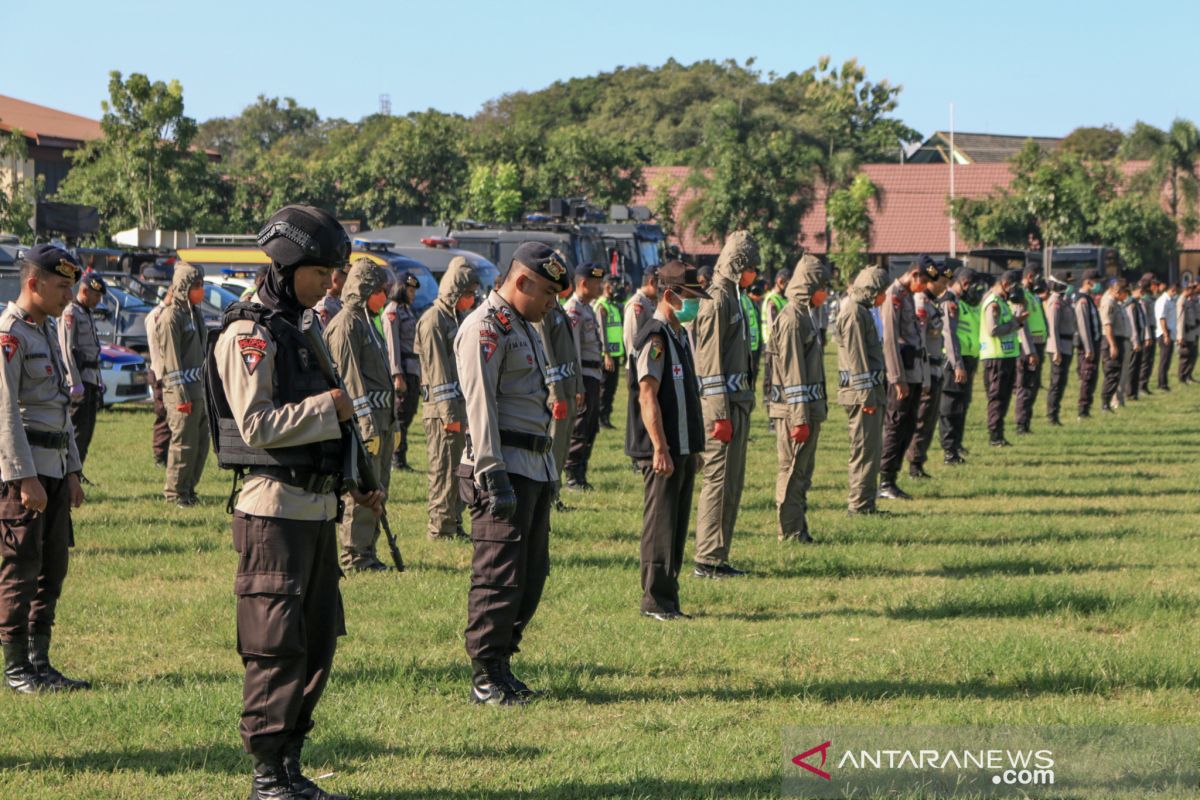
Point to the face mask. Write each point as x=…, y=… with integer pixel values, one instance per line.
x=377, y=301
x=1096, y=289
x=818, y=298
x=879, y=298
x=747, y=278
x=691, y=306
x=196, y=295
x=465, y=303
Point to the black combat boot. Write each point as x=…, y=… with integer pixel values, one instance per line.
x=39, y=657
x=19, y=674
x=606, y=423
x=302, y=786
x=918, y=471
x=489, y=685
x=271, y=780
x=518, y=686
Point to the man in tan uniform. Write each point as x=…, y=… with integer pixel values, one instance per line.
x=399, y=331
x=796, y=394
x=278, y=421
x=1115, y=327
x=727, y=398
x=562, y=379
x=639, y=310
x=443, y=411
x=862, y=384
x=80, y=347
x=39, y=467
x=182, y=340
x=331, y=302
x=360, y=355
x=160, y=437
x=585, y=329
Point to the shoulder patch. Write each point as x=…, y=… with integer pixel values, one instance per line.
x=952, y=309
x=489, y=340
x=69, y=320
x=252, y=350
x=656, y=347
x=8, y=345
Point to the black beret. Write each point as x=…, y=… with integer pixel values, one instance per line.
x=928, y=267
x=412, y=280
x=545, y=261
x=94, y=282
x=299, y=236
x=53, y=259
x=590, y=270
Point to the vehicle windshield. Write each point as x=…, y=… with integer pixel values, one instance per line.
x=649, y=252
x=127, y=301
x=218, y=296
x=590, y=249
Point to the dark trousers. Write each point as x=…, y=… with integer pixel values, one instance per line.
x=1059, y=374
x=289, y=615
x=583, y=434
x=1166, y=348
x=1088, y=370
x=1029, y=382
x=927, y=417
x=83, y=418
x=956, y=399
x=33, y=559
x=1187, y=360
x=666, y=516
x=160, y=441
x=405, y=408
x=1147, y=364
x=608, y=389
x=1131, y=379
x=899, y=423
x=508, y=568
x=999, y=378
x=1112, y=372
x=766, y=381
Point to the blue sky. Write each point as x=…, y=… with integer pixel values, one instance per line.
x=1019, y=67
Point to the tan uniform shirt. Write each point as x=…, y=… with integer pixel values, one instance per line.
x=1112, y=315
x=563, y=379
x=862, y=378
x=722, y=347
x=585, y=328
x=181, y=338
x=502, y=368
x=797, y=368
x=638, y=311
x=902, y=336
x=360, y=356
x=33, y=395
x=152, y=341
x=249, y=388
x=80, y=345
x=441, y=392
x=400, y=331
x=951, y=348
x=931, y=322
x=327, y=308
x=1060, y=325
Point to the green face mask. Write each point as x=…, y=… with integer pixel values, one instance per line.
x=691, y=306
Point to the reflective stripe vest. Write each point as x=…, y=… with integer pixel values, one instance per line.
x=753, y=326
x=1005, y=346
x=968, y=329
x=614, y=339
x=1037, y=316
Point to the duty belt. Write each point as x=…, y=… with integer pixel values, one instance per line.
x=590, y=364
x=50, y=440
x=935, y=361
x=527, y=441
x=309, y=481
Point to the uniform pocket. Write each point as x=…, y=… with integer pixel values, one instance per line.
x=17, y=537
x=270, y=615
x=497, y=558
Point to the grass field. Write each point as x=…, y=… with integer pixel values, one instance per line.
x=1053, y=582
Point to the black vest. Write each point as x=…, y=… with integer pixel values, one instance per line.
x=638, y=443
x=297, y=377
x=1094, y=331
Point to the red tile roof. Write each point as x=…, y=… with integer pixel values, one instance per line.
x=41, y=123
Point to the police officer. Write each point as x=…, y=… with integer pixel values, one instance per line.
x=1115, y=326
x=773, y=302
x=279, y=422
x=862, y=384
x=160, y=438
x=932, y=322
x=1060, y=346
x=443, y=412
x=40, y=467
x=182, y=341
x=331, y=302
x=1088, y=334
x=80, y=345
x=664, y=437
x=563, y=379
x=1151, y=286
x=1165, y=329
x=607, y=309
x=1029, y=372
x=507, y=473
x=399, y=330
x=639, y=310
x=1135, y=315
x=721, y=333
x=797, y=395
x=360, y=355
x=904, y=353
x=960, y=345
x=586, y=331
x=1002, y=341
x=1187, y=323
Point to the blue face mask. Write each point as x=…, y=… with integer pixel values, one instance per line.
x=691, y=306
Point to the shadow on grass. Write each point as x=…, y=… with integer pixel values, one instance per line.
x=1053, y=492
x=1002, y=539
x=153, y=549
x=1003, y=566
x=1038, y=602
x=762, y=786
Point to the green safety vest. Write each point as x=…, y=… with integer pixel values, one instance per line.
x=968, y=329
x=752, y=323
x=1037, y=316
x=779, y=301
x=614, y=332
x=994, y=347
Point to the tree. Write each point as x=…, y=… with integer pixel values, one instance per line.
x=1140, y=229
x=1101, y=144
x=849, y=217
x=144, y=172
x=664, y=205
x=580, y=163
x=261, y=126
x=1142, y=142
x=494, y=193
x=1174, y=167
x=16, y=199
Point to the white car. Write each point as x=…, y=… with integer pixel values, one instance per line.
x=125, y=375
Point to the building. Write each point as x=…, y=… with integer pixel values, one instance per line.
x=975, y=148
x=49, y=136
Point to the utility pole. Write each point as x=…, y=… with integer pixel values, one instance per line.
x=953, y=231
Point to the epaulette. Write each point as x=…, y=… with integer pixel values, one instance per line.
x=501, y=318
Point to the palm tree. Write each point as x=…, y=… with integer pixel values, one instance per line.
x=1174, y=164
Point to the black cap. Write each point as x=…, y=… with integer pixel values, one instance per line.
x=300, y=236
x=412, y=280
x=53, y=259
x=94, y=282
x=1091, y=275
x=928, y=267
x=681, y=278
x=545, y=261
x=590, y=270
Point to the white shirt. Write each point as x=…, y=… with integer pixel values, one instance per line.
x=1164, y=309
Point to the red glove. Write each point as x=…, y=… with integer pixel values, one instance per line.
x=722, y=431
x=799, y=433
x=868, y=409
x=559, y=409
x=454, y=427
x=184, y=408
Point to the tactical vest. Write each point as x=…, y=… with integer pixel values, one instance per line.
x=968, y=329
x=752, y=326
x=678, y=395
x=297, y=377
x=993, y=347
x=1037, y=316
x=614, y=333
